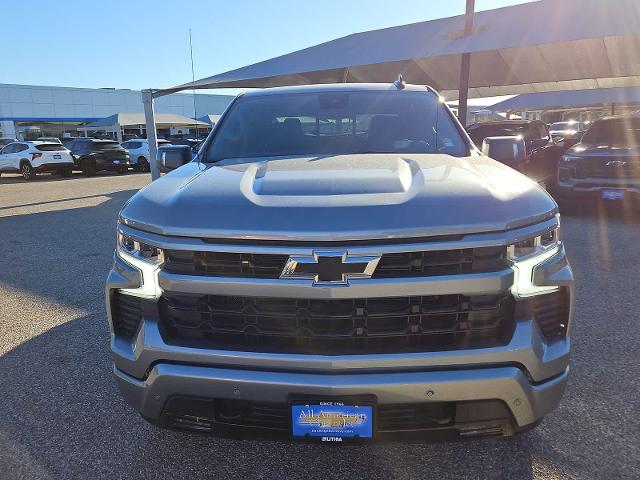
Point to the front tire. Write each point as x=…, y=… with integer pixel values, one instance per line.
x=123, y=170
x=66, y=172
x=27, y=171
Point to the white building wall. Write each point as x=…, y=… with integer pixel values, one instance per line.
x=18, y=102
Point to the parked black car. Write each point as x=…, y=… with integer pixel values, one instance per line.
x=91, y=155
x=542, y=153
x=605, y=164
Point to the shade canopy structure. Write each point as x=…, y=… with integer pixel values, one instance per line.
x=127, y=120
x=547, y=45
x=209, y=119
x=541, y=46
x=575, y=99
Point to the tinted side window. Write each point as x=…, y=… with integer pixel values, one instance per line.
x=21, y=147
x=134, y=145
x=7, y=149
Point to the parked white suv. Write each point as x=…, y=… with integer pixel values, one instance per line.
x=139, y=152
x=30, y=158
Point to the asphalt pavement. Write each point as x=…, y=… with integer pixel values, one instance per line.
x=62, y=417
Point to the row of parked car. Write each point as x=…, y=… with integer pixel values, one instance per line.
x=89, y=155
x=576, y=163
x=572, y=163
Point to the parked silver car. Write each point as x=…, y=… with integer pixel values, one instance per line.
x=340, y=263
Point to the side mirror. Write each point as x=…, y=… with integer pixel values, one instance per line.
x=171, y=157
x=511, y=151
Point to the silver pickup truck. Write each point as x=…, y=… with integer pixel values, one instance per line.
x=341, y=263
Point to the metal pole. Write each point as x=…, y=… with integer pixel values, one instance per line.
x=465, y=66
x=152, y=137
x=193, y=79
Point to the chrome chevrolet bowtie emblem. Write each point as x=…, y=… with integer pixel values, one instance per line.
x=329, y=268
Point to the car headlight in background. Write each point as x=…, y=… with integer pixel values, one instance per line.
x=527, y=254
x=146, y=258
x=568, y=159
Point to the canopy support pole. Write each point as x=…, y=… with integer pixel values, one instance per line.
x=465, y=67
x=152, y=137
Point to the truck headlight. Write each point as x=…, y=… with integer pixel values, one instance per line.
x=527, y=254
x=146, y=258
x=132, y=248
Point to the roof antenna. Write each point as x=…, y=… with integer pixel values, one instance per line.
x=399, y=83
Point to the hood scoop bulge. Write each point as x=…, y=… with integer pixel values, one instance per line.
x=392, y=181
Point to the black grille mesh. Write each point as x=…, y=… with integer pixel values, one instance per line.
x=392, y=265
x=374, y=325
x=204, y=414
x=551, y=312
x=126, y=314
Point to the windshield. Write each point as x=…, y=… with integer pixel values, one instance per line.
x=618, y=132
x=336, y=123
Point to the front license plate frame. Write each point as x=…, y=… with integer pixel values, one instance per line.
x=612, y=194
x=333, y=419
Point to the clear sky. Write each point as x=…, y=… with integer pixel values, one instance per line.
x=142, y=43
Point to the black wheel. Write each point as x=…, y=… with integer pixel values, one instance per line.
x=27, y=171
x=88, y=167
x=66, y=172
x=143, y=165
x=123, y=170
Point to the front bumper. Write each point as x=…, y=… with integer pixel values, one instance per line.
x=573, y=189
x=110, y=165
x=527, y=402
x=527, y=375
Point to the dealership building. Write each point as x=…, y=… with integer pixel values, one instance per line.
x=28, y=112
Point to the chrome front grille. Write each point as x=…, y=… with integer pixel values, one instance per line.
x=422, y=296
x=608, y=167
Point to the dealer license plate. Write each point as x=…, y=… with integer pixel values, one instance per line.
x=613, y=194
x=332, y=421
x=57, y=157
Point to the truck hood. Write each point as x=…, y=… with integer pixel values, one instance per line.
x=340, y=197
